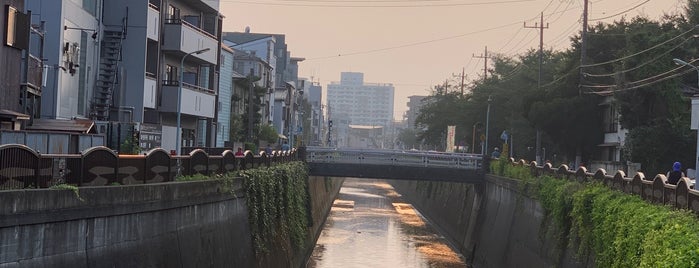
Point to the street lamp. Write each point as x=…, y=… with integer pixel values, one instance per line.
x=695, y=112
x=178, y=137
x=487, y=125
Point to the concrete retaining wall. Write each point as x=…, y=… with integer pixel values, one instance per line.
x=183, y=224
x=493, y=224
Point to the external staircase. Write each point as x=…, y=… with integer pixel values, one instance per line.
x=107, y=78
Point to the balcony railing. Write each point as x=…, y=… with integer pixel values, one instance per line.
x=195, y=100
x=185, y=38
x=175, y=83
x=153, y=23
x=154, y=4
x=150, y=87
x=35, y=74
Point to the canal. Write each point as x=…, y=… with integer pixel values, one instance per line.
x=370, y=225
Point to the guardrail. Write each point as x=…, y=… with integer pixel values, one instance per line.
x=655, y=190
x=21, y=167
x=393, y=158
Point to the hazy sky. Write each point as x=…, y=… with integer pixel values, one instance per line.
x=416, y=44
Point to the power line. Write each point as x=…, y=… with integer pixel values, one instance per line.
x=643, y=82
x=418, y=4
x=413, y=44
x=640, y=52
x=639, y=86
x=518, y=47
x=622, y=12
x=422, y=42
x=642, y=64
x=566, y=33
x=511, y=38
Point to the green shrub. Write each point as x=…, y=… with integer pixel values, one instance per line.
x=618, y=229
x=251, y=146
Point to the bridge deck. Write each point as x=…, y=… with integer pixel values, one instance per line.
x=395, y=164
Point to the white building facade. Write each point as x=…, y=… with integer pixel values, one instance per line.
x=358, y=103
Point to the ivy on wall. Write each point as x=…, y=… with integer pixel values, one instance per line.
x=277, y=201
x=617, y=229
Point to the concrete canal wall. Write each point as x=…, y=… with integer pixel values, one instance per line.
x=494, y=224
x=181, y=224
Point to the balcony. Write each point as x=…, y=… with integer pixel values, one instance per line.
x=150, y=86
x=184, y=37
x=153, y=23
x=196, y=101
x=34, y=76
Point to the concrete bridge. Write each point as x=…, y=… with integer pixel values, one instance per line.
x=395, y=164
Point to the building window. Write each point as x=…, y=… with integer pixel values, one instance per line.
x=173, y=14
x=170, y=75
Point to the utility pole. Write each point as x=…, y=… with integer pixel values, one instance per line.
x=541, y=28
x=463, y=75
x=485, y=65
x=583, y=46
x=583, y=56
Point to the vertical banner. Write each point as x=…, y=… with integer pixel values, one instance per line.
x=451, y=133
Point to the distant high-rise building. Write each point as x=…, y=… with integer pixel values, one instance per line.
x=354, y=102
x=362, y=103
x=415, y=104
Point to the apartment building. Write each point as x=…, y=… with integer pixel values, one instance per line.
x=163, y=46
x=358, y=103
x=314, y=96
x=283, y=80
x=71, y=54
x=415, y=104
x=125, y=61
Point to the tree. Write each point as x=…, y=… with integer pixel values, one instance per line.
x=257, y=97
x=407, y=138
x=268, y=133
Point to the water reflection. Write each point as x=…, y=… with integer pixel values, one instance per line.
x=370, y=226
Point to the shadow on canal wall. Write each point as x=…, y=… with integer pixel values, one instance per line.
x=493, y=224
x=179, y=224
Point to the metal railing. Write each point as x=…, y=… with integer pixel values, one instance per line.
x=394, y=158
x=21, y=167
x=654, y=189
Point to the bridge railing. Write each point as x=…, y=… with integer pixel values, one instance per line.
x=393, y=158
x=654, y=189
x=21, y=167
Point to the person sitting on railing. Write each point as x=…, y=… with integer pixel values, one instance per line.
x=239, y=152
x=676, y=174
x=496, y=153
x=268, y=150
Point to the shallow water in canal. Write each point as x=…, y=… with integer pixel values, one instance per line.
x=371, y=226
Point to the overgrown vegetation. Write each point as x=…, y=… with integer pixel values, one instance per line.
x=617, y=229
x=68, y=187
x=276, y=198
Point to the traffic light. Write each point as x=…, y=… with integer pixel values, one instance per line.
x=330, y=123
